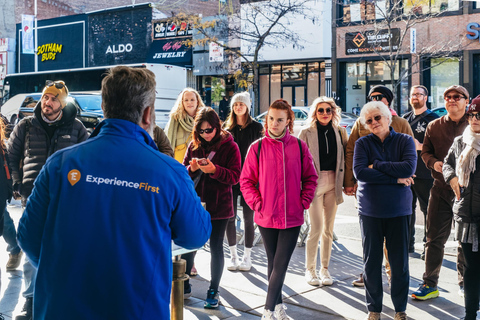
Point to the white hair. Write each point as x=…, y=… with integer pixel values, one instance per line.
x=372, y=107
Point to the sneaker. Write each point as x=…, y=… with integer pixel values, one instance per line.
x=461, y=292
x=14, y=261
x=245, y=265
x=27, y=310
x=193, y=271
x=187, y=291
x=422, y=256
x=400, y=316
x=326, y=277
x=268, y=315
x=280, y=313
x=311, y=277
x=359, y=281
x=373, y=316
x=212, y=299
x=232, y=264
x=425, y=292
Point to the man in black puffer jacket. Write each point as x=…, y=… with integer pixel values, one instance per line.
x=52, y=127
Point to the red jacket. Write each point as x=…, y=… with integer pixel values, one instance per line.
x=216, y=189
x=286, y=183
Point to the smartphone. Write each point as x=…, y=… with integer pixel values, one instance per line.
x=202, y=162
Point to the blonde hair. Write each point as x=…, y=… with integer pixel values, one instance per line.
x=312, y=114
x=2, y=134
x=178, y=110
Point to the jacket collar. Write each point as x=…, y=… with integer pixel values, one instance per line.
x=123, y=128
x=285, y=138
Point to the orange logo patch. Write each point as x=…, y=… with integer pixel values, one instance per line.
x=74, y=176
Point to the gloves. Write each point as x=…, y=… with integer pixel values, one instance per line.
x=16, y=190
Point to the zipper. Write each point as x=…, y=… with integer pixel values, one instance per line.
x=284, y=183
x=326, y=141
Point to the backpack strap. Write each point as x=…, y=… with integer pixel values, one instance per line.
x=258, y=152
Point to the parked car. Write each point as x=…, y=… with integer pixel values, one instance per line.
x=301, y=116
x=88, y=105
x=440, y=111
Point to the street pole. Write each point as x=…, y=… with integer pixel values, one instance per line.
x=35, y=41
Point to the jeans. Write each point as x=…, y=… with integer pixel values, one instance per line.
x=421, y=191
x=10, y=234
x=472, y=281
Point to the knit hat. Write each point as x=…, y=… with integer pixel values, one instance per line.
x=475, y=105
x=458, y=89
x=58, y=89
x=241, y=97
x=383, y=90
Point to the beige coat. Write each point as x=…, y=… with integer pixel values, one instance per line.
x=310, y=136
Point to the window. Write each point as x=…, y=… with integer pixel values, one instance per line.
x=444, y=73
x=430, y=6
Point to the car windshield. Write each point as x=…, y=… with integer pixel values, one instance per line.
x=90, y=102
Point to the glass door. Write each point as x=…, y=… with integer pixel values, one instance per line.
x=295, y=95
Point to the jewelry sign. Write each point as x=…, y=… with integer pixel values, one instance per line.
x=372, y=41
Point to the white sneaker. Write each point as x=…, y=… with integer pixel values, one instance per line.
x=280, y=313
x=245, y=265
x=268, y=315
x=311, y=277
x=326, y=277
x=232, y=265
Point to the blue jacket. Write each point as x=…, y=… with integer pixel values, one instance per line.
x=378, y=194
x=99, y=225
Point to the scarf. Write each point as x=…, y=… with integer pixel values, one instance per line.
x=49, y=122
x=277, y=137
x=466, y=161
x=172, y=129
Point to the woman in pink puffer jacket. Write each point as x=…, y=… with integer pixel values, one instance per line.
x=278, y=181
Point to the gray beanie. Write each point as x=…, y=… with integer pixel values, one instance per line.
x=241, y=97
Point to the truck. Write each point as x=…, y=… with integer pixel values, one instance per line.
x=170, y=81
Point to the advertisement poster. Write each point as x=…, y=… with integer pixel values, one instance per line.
x=27, y=34
x=215, y=52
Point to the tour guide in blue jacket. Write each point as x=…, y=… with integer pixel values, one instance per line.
x=100, y=221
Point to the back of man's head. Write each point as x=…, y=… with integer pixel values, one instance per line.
x=126, y=92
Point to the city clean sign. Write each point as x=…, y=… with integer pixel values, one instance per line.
x=372, y=41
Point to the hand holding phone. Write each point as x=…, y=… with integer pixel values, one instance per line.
x=202, y=162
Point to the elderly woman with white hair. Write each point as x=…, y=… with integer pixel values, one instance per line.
x=326, y=141
x=383, y=163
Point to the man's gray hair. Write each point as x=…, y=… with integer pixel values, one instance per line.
x=372, y=107
x=126, y=92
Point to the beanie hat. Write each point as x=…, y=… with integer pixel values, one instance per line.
x=241, y=97
x=383, y=90
x=58, y=89
x=458, y=89
x=475, y=105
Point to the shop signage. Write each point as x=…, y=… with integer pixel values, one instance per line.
x=171, y=51
x=372, y=41
x=473, y=31
x=49, y=51
x=7, y=44
x=167, y=29
x=120, y=48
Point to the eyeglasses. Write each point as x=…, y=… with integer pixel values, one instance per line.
x=474, y=115
x=377, y=97
x=322, y=111
x=416, y=95
x=376, y=118
x=57, y=84
x=455, y=97
x=207, y=131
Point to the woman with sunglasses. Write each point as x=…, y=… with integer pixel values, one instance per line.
x=383, y=163
x=460, y=170
x=244, y=130
x=326, y=141
x=278, y=181
x=179, y=127
x=213, y=161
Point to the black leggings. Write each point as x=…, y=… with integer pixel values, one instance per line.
x=471, y=281
x=247, y=220
x=216, y=252
x=279, y=245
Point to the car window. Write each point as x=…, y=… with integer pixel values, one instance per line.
x=300, y=115
x=89, y=102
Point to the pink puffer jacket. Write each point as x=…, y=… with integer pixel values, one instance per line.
x=286, y=183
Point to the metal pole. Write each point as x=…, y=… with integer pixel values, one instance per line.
x=36, y=39
x=179, y=276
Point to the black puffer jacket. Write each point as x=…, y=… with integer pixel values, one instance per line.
x=36, y=147
x=467, y=208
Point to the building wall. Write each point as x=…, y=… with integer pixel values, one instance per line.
x=46, y=9
x=7, y=19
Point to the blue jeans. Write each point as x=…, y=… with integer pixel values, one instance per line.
x=10, y=234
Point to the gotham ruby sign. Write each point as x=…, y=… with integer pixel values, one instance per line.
x=372, y=41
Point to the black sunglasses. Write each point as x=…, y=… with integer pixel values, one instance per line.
x=455, y=97
x=474, y=115
x=57, y=84
x=322, y=111
x=207, y=131
x=377, y=97
x=377, y=118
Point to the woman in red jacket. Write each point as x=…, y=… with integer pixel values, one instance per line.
x=278, y=181
x=213, y=162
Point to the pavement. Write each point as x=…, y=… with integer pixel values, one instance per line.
x=243, y=294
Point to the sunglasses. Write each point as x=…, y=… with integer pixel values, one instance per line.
x=57, y=84
x=322, y=111
x=474, y=115
x=455, y=97
x=207, y=131
x=377, y=97
x=376, y=118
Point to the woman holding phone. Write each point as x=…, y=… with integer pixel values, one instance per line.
x=213, y=161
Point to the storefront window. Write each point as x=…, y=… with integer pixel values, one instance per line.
x=275, y=87
x=355, y=87
x=313, y=82
x=264, y=92
x=444, y=73
x=430, y=6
